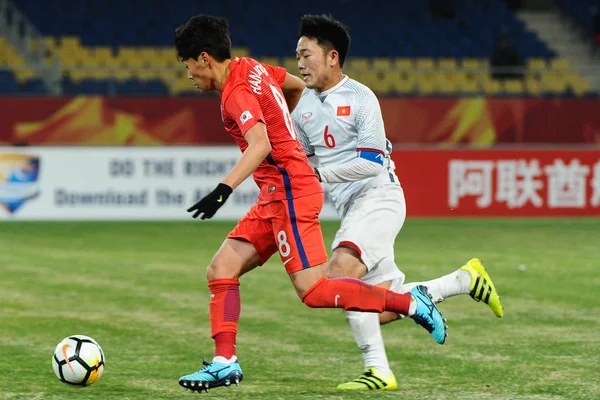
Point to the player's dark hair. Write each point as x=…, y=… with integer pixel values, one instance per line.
x=329, y=33
x=203, y=33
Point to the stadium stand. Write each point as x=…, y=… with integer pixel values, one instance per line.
x=125, y=47
x=402, y=27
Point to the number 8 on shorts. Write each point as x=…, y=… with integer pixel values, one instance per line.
x=284, y=246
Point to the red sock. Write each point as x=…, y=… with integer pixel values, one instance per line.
x=224, y=315
x=355, y=295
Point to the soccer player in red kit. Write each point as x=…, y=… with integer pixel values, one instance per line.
x=254, y=107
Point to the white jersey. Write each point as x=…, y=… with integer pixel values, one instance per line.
x=337, y=127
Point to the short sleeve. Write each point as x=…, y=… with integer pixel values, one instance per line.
x=278, y=73
x=243, y=107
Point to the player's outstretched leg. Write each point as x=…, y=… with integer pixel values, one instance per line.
x=482, y=288
x=472, y=279
x=371, y=379
x=427, y=315
x=214, y=374
x=355, y=295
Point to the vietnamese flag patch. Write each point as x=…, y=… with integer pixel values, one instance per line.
x=343, y=111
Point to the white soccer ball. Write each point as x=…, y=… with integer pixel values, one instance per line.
x=78, y=360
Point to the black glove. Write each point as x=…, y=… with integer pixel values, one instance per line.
x=210, y=203
x=318, y=175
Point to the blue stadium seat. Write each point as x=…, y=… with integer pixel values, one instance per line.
x=96, y=87
x=69, y=87
x=8, y=84
x=34, y=86
x=136, y=86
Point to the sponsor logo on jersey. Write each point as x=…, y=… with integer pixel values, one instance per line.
x=245, y=117
x=343, y=111
x=307, y=115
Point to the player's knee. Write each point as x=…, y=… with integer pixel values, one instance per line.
x=212, y=271
x=219, y=270
x=335, y=269
x=345, y=262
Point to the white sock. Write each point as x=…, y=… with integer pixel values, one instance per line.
x=412, y=308
x=367, y=333
x=453, y=284
x=223, y=360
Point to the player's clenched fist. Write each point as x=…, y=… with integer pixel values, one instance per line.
x=210, y=203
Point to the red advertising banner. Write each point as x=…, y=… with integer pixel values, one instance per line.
x=478, y=183
x=111, y=121
x=196, y=120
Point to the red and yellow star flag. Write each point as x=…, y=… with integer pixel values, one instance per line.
x=343, y=111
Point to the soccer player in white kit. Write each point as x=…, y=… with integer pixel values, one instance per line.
x=340, y=126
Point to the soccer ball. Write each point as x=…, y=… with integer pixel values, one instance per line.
x=78, y=360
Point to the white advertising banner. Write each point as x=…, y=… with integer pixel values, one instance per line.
x=118, y=183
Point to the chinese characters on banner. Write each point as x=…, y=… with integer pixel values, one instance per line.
x=518, y=182
x=500, y=182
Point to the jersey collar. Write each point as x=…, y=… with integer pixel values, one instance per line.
x=324, y=94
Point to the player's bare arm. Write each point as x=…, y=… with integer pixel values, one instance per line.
x=258, y=149
x=292, y=90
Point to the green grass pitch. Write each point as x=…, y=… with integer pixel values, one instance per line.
x=139, y=289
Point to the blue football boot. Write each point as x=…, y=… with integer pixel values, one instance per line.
x=427, y=314
x=214, y=374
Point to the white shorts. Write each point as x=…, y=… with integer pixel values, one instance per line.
x=370, y=226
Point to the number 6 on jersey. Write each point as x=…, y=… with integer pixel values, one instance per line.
x=328, y=137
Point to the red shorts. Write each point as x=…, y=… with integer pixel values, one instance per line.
x=290, y=227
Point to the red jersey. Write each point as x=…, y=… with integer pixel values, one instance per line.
x=251, y=94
